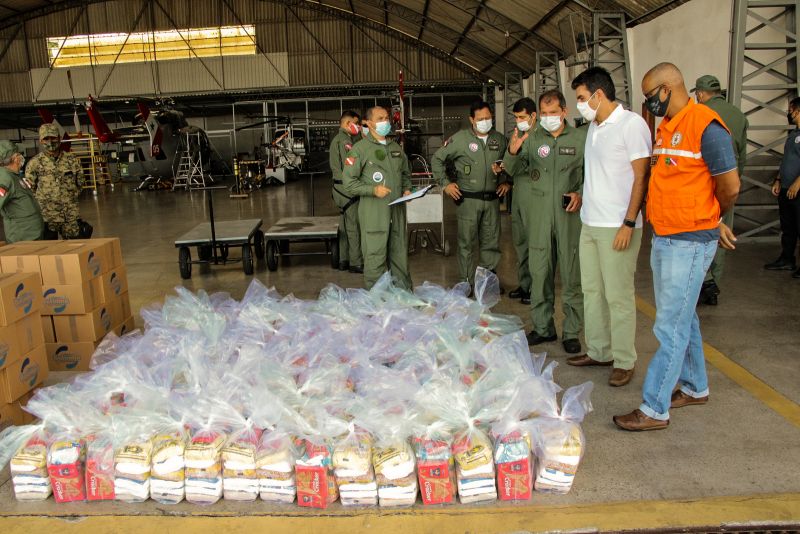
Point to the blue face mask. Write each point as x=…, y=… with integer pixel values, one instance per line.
x=383, y=128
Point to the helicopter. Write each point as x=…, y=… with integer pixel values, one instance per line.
x=152, y=142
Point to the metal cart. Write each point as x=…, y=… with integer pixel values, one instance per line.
x=428, y=210
x=302, y=230
x=214, y=240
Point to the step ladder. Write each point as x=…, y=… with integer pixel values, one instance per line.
x=189, y=173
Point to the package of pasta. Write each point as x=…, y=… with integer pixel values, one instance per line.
x=203, y=458
x=99, y=467
x=559, y=442
x=167, y=480
x=132, y=469
x=352, y=466
x=25, y=449
x=275, y=461
x=239, y=476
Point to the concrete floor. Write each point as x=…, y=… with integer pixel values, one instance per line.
x=734, y=446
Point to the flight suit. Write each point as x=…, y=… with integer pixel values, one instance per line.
x=478, y=212
x=521, y=216
x=22, y=218
x=554, y=167
x=383, y=228
x=349, y=238
x=56, y=183
x=737, y=124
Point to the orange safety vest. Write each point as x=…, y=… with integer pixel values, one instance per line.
x=681, y=196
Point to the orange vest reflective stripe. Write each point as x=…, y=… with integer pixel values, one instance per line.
x=681, y=196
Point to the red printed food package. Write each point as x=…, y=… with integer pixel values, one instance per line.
x=65, y=467
x=316, y=487
x=99, y=469
x=515, y=480
x=436, y=481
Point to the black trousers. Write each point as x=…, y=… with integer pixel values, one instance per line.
x=789, y=211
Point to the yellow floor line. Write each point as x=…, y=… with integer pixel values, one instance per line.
x=777, y=402
x=774, y=509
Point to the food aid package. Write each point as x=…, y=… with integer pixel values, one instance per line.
x=275, y=461
x=66, y=458
x=239, y=476
x=132, y=469
x=559, y=442
x=316, y=482
x=167, y=478
x=352, y=466
x=26, y=448
x=203, y=457
x=99, y=467
x=534, y=394
x=435, y=465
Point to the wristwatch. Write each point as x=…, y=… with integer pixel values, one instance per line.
x=629, y=223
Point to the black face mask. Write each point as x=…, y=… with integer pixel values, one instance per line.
x=656, y=106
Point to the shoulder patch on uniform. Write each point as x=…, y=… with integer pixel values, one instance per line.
x=3, y=191
x=350, y=159
x=348, y=146
x=447, y=142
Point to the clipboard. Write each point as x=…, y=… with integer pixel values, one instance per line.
x=417, y=194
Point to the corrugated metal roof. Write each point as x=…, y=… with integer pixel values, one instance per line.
x=329, y=42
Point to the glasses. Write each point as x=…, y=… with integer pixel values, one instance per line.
x=653, y=91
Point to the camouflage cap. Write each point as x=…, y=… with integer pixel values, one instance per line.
x=7, y=149
x=49, y=130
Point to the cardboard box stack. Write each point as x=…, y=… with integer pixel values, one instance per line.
x=84, y=294
x=23, y=363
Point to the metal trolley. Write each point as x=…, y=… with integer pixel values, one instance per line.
x=428, y=211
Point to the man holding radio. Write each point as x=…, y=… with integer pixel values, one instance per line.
x=553, y=157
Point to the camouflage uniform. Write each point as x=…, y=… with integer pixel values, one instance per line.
x=56, y=181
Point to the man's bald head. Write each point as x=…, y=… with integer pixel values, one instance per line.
x=666, y=80
x=663, y=73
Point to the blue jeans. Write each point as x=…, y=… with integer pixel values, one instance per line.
x=679, y=268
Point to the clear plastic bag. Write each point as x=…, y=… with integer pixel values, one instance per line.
x=26, y=449
x=559, y=442
x=352, y=466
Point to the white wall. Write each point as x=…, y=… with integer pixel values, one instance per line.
x=695, y=36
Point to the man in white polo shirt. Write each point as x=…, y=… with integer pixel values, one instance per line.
x=616, y=160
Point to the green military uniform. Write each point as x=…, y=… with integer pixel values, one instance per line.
x=737, y=123
x=383, y=228
x=522, y=214
x=478, y=213
x=56, y=182
x=22, y=219
x=349, y=235
x=554, y=166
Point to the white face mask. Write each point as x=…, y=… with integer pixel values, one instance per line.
x=551, y=123
x=523, y=126
x=483, y=126
x=586, y=110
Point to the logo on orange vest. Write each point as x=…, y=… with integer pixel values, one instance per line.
x=544, y=151
x=658, y=142
x=473, y=147
x=677, y=138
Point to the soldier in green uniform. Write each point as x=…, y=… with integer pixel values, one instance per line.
x=708, y=91
x=56, y=178
x=22, y=219
x=552, y=156
x=475, y=153
x=349, y=236
x=521, y=213
x=377, y=171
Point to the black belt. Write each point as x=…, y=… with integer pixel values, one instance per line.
x=485, y=195
x=338, y=182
